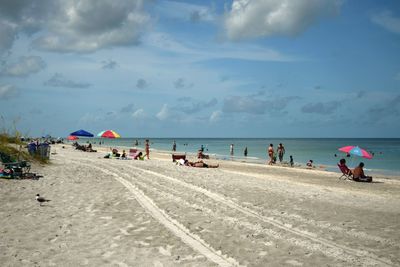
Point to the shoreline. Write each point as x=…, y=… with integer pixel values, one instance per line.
x=383, y=174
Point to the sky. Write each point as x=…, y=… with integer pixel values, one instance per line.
x=241, y=68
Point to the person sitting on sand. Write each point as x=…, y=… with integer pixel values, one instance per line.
x=200, y=155
x=199, y=164
x=358, y=174
x=138, y=156
x=310, y=164
x=344, y=168
x=123, y=156
x=115, y=153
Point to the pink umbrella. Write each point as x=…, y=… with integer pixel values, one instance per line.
x=355, y=150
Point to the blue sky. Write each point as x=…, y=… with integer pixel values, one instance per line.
x=245, y=68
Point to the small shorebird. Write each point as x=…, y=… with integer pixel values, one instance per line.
x=41, y=199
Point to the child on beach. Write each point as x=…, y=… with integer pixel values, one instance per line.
x=310, y=164
x=147, y=148
x=291, y=162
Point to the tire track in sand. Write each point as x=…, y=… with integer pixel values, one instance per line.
x=175, y=227
x=365, y=256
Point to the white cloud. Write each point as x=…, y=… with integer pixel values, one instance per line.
x=208, y=51
x=258, y=18
x=164, y=113
x=58, y=80
x=386, y=20
x=7, y=91
x=86, y=26
x=74, y=26
x=215, y=116
x=7, y=34
x=138, y=114
x=186, y=11
x=109, y=64
x=24, y=66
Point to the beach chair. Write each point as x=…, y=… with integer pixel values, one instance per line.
x=176, y=157
x=132, y=153
x=17, y=168
x=345, y=175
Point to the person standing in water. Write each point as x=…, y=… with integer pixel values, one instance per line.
x=147, y=148
x=270, y=152
x=174, y=146
x=245, y=151
x=231, y=149
x=280, y=151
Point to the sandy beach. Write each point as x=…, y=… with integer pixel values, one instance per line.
x=109, y=212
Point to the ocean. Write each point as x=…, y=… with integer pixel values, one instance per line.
x=323, y=151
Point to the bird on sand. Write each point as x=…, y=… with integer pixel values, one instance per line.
x=41, y=199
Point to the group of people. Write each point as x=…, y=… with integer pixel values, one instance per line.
x=357, y=174
x=280, y=151
x=87, y=148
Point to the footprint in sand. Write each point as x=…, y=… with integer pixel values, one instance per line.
x=165, y=251
x=108, y=254
x=294, y=263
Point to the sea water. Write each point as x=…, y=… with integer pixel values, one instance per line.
x=323, y=151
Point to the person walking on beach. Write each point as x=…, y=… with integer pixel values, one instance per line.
x=270, y=152
x=280, y=151
x=245, y=151
x=174, y=146
x=147, y=148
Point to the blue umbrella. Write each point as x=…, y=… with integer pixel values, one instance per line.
x=81, y=133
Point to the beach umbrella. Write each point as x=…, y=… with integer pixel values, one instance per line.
x=72, y=137
x=81, y=133
x=355, y=150
x=108, y=134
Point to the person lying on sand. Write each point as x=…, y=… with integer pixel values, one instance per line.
x=197, y=164
x=358, y=174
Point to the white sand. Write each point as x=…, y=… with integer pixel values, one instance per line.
x=108, y=212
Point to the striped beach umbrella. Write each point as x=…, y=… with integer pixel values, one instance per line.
x=355, y=150
x=108, y=134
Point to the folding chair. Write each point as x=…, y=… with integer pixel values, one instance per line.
x=345, y=174
x=176, y=157
x=132, y=152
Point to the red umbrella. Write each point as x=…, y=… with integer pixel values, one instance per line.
x=72, y=137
